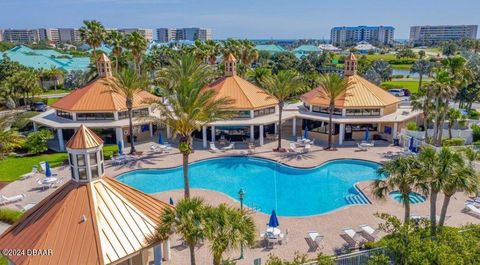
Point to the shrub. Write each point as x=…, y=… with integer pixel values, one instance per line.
x=453, y=142
x=22, y=121
x=9, y=216
x=476, y=133
x=109, y=151
x=37, y=142
x=412, y=126
x=473, y=114
x=398, y=76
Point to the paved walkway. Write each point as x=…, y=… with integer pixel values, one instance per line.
x=328, y=225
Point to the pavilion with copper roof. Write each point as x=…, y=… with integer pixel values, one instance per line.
x=92, y=219
x=101, y=108
x=363, y=106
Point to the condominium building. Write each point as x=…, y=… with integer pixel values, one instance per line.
x=21, y=35
x=146, y=33
x=1, y=34
x=49, y=34
x=343, y=36
x=427, y=35
x=192, y=34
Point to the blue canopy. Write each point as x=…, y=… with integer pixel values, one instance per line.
x=410, y=145
x=305, y=133
x=48, y=171
x=366, y=134
x=120, y=148
x=171, y=201
x=273, y=222
x=160, y=138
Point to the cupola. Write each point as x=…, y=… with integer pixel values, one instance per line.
x=350, y=65
x=230, y=65
x=104, y=66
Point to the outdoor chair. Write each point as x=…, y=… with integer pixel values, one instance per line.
x=472, y=210
x=6, y=200
x=361, y=147
x=229, y=147
x=213, y=148
x=369, y=232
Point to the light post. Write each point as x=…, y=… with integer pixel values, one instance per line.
x=241, y=195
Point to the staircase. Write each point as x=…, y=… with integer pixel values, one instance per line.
x=356, y=199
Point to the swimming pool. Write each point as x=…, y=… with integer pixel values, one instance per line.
x=413, y=197
x=268, y=185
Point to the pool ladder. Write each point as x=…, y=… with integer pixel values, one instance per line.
x=356, y=199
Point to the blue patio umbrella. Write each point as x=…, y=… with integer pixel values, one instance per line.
x=160, y=138
x=305, y=133
x=410, y=145
x=120, y=148
x=273, y=222
x=48, y=171
x=366, y=134
x=171, y=201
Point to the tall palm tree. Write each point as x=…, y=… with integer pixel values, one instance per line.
x=187, y=219
x=93, y=33
x=457, y=176
x=282, y=86
x=421, y=67
x=442, y=91
x=188, y=106
x=453, y=115
x=428, y=160
x=55, y=74
x=334, y=86
x=128, y=83
x=256, y=75
x=227, y=229
x=137, y=45
x=116, y=40
x=401, y=174
x=422, y=101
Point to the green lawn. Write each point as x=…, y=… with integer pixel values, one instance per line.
x=51, y=101
x=52, y=91
x=13, y=167
x=411, y=85
x=401, y=66
x=3, y=260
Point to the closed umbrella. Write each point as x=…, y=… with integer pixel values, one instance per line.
x=410, y=145
x=120, y=148
x=273, y=222
x=305, y=133
x=48, y=171
x=171, y=201
x=366, y=134
x=160, y=138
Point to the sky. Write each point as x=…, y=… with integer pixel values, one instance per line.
x=253, y=19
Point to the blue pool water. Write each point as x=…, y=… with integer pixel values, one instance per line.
x=268, y=185
x=413, y=197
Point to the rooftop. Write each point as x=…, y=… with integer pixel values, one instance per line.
x=270, y=48
x=84, y=138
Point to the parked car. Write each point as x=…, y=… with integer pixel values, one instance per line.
x=398, y=92
x=38, y=106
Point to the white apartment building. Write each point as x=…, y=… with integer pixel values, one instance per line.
x=428, y=35
x=49, y=34
x=342, y=36
x=191, y=34
x=146, y=33
x=69, y=35
x=166, y=34
x=21, y=35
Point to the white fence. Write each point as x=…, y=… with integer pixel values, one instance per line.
x=354, y=258
x=465, y=134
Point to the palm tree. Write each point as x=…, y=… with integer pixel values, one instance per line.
x=464, y=178
x=282, y=86
x=116, y=40
x=428, y=160
x=442, y=91
x=421, y=67
x=128, y=83
x=187, y=219
x=227, y=229
x=334, y=86
x=257, y=74
x=137, y=45
x=55, y=74
x=93, y=33
x=423, y=101
x=453, y=115
x=9, y=139
x=399, y=173
x=188, y=106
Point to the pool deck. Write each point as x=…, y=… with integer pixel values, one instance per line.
x=329, y=225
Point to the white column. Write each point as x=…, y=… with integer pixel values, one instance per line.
x=204, y=136
x=119, y=136
x=252, y=133
x=35, y=127
x=166, y=250
x=342, y=134
x=61, y=145
x=252, y=114
x=395, y=130
x=115, y=116
x=157, y=254
x=294, y=126
x=213, y=134
x=344, y=112
x=275, y=126
x=74, y=116
x=261, y=134
x=311, y=108
x=168, y=132
x=150, y=127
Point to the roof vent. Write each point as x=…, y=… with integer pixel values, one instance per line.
x=84, y=219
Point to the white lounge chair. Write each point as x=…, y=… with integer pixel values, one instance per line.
x=370, y=232
x=471, y=209
x=229, y=147
x=307, y=148
x=30, y=174
x=351, y=237
x=6, y=200
x=213, y=148
x=362, y=147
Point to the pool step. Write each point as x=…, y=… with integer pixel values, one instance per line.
x=356, y=199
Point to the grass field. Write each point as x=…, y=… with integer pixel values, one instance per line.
x=401, y=66
x=13, y=167
x=51, y=101
x=52, y=91
x=412, y=85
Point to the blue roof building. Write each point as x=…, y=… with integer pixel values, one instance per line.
x=304, y=50
x=270, y=48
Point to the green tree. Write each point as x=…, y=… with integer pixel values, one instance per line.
x=37, y=142
x=227, y=229
x=116, y=40
x=93, y=33
x=334, y=86
x=421, y=67
x=429, y=168
x=453, y=115
x=53, y=74
x=137, y=45
x=187, y=219
x=188, y=107
x=10, y=139
x=282, y=87
x=283, y=61
x=398, y=174
x=128, y=82
x=256, y=75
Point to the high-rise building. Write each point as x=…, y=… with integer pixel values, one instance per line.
x=1, y=34
x=146, y=33
x=428, y=35
x=69, y=35
x=342, y=36
x=191, y=34
x=49, y=34
x=21, y=35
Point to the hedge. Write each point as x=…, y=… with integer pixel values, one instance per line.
x=453, y=142
x=9, y=216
